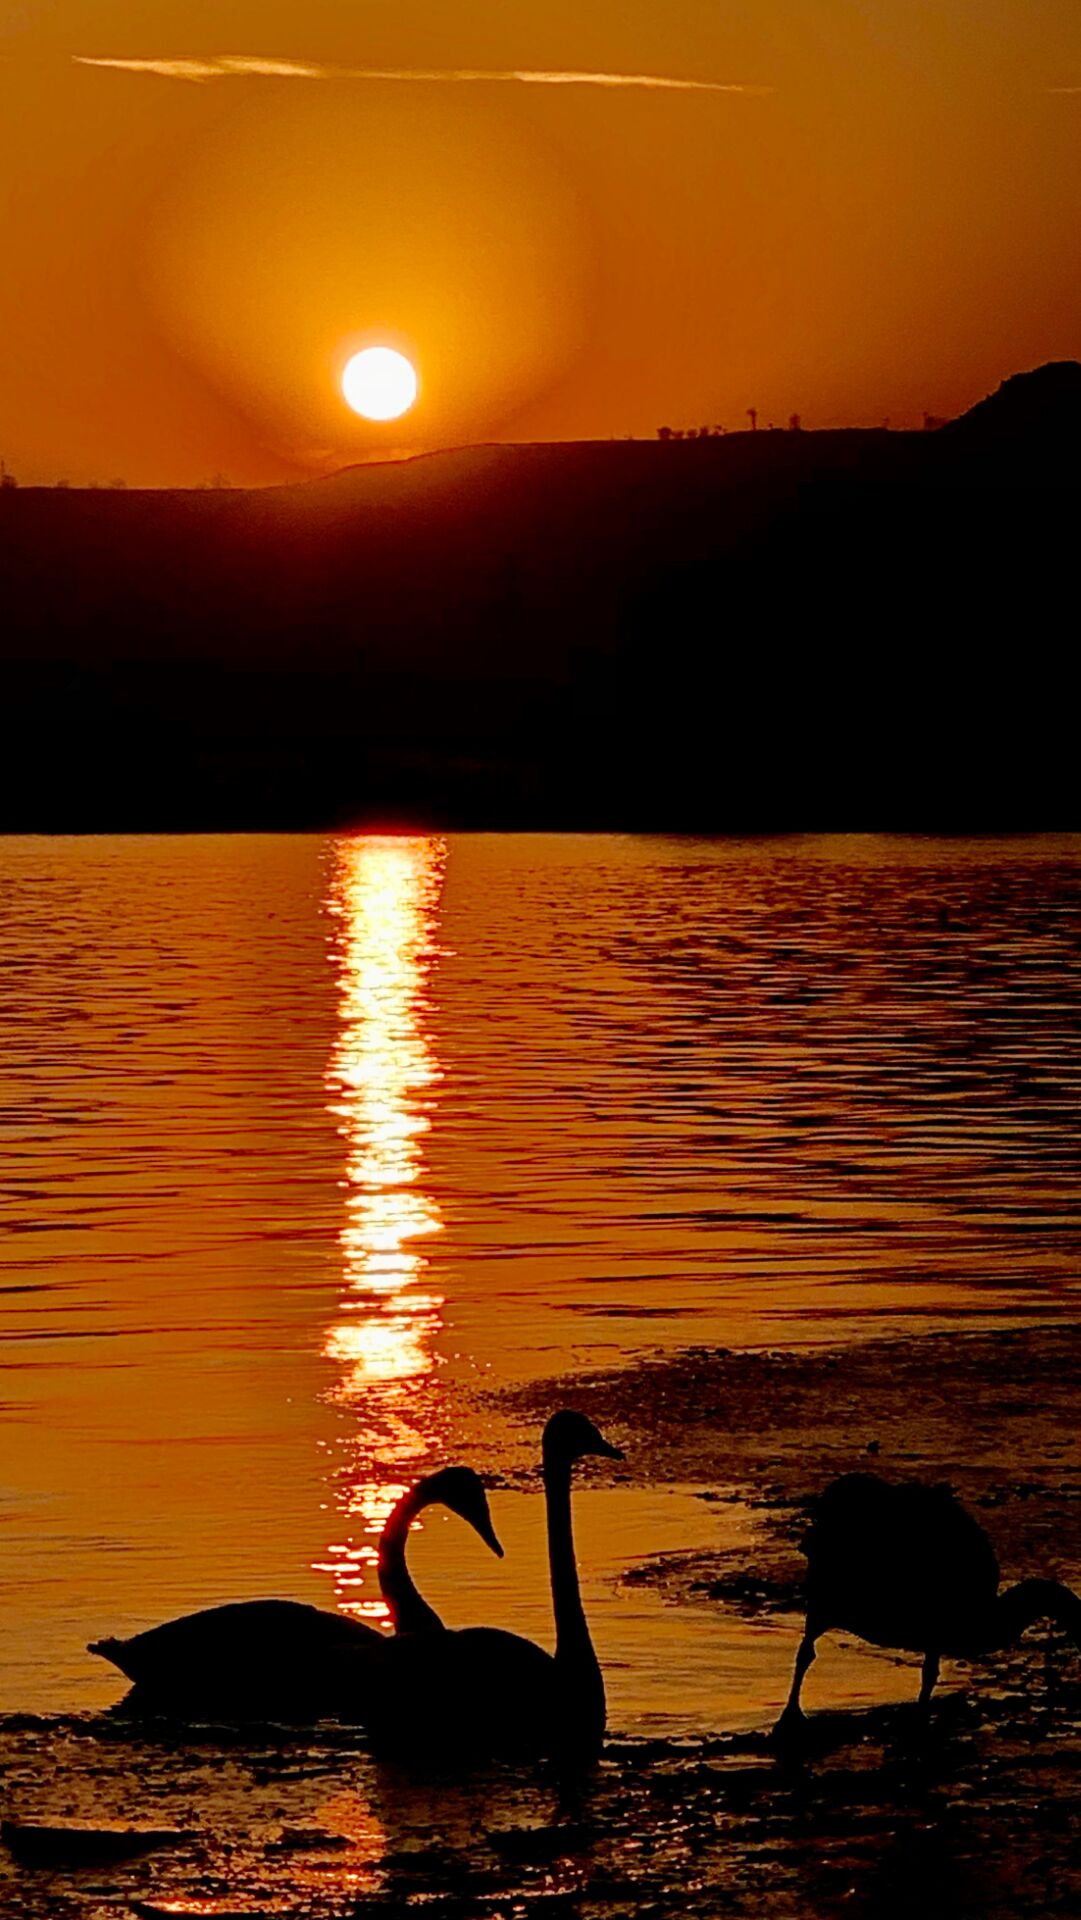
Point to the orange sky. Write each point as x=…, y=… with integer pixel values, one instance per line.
x=885, y=221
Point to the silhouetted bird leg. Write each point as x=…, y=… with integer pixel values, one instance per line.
x=929, y=1680
x=792, y=1719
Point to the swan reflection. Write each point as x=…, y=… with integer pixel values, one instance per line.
x=384, y=898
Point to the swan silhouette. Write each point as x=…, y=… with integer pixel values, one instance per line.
x=905, y=1566
x=261, y=1658
x=481, y=1693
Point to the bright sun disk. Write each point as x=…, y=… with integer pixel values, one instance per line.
x=379, y=383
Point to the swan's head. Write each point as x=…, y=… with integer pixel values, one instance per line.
x=462, y=1490
x=570, y=1436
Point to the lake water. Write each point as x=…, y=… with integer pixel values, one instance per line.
x=313, y=1144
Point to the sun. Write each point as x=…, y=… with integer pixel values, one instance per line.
x=380, y=383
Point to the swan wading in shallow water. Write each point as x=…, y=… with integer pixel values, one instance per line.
x=907, y=1567
x=479, y=1693
x=261, y=1658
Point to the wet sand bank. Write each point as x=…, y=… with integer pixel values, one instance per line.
x=993, y=1413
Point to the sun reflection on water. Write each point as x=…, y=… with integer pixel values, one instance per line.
x=384, y=897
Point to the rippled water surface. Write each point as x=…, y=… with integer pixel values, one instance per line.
x=312, y=1145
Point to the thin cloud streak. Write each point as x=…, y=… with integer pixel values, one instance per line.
x=240, y=65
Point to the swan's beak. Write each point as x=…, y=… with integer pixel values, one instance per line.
x=609, y=1452
x=487, y=1534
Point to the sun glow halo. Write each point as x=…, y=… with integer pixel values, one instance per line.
x=379, y=383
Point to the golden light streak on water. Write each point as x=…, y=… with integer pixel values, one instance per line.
x=384, y=898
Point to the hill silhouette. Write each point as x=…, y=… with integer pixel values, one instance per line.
x=1040, y=410
x=763, y=631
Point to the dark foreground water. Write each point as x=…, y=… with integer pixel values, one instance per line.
x=322, y=1155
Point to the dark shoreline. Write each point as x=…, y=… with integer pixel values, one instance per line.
x=743, y=634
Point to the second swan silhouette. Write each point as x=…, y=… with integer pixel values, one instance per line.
x=266, y=1659
x=480, y=1692
x=906, y=1566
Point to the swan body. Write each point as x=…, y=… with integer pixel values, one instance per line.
x=252, y=1659
x=480, y=1693
x=266, y=1658
x=905, y=1566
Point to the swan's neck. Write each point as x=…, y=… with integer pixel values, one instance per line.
x=1031, y=1600
x=408, y=1612
x=574, y=1648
